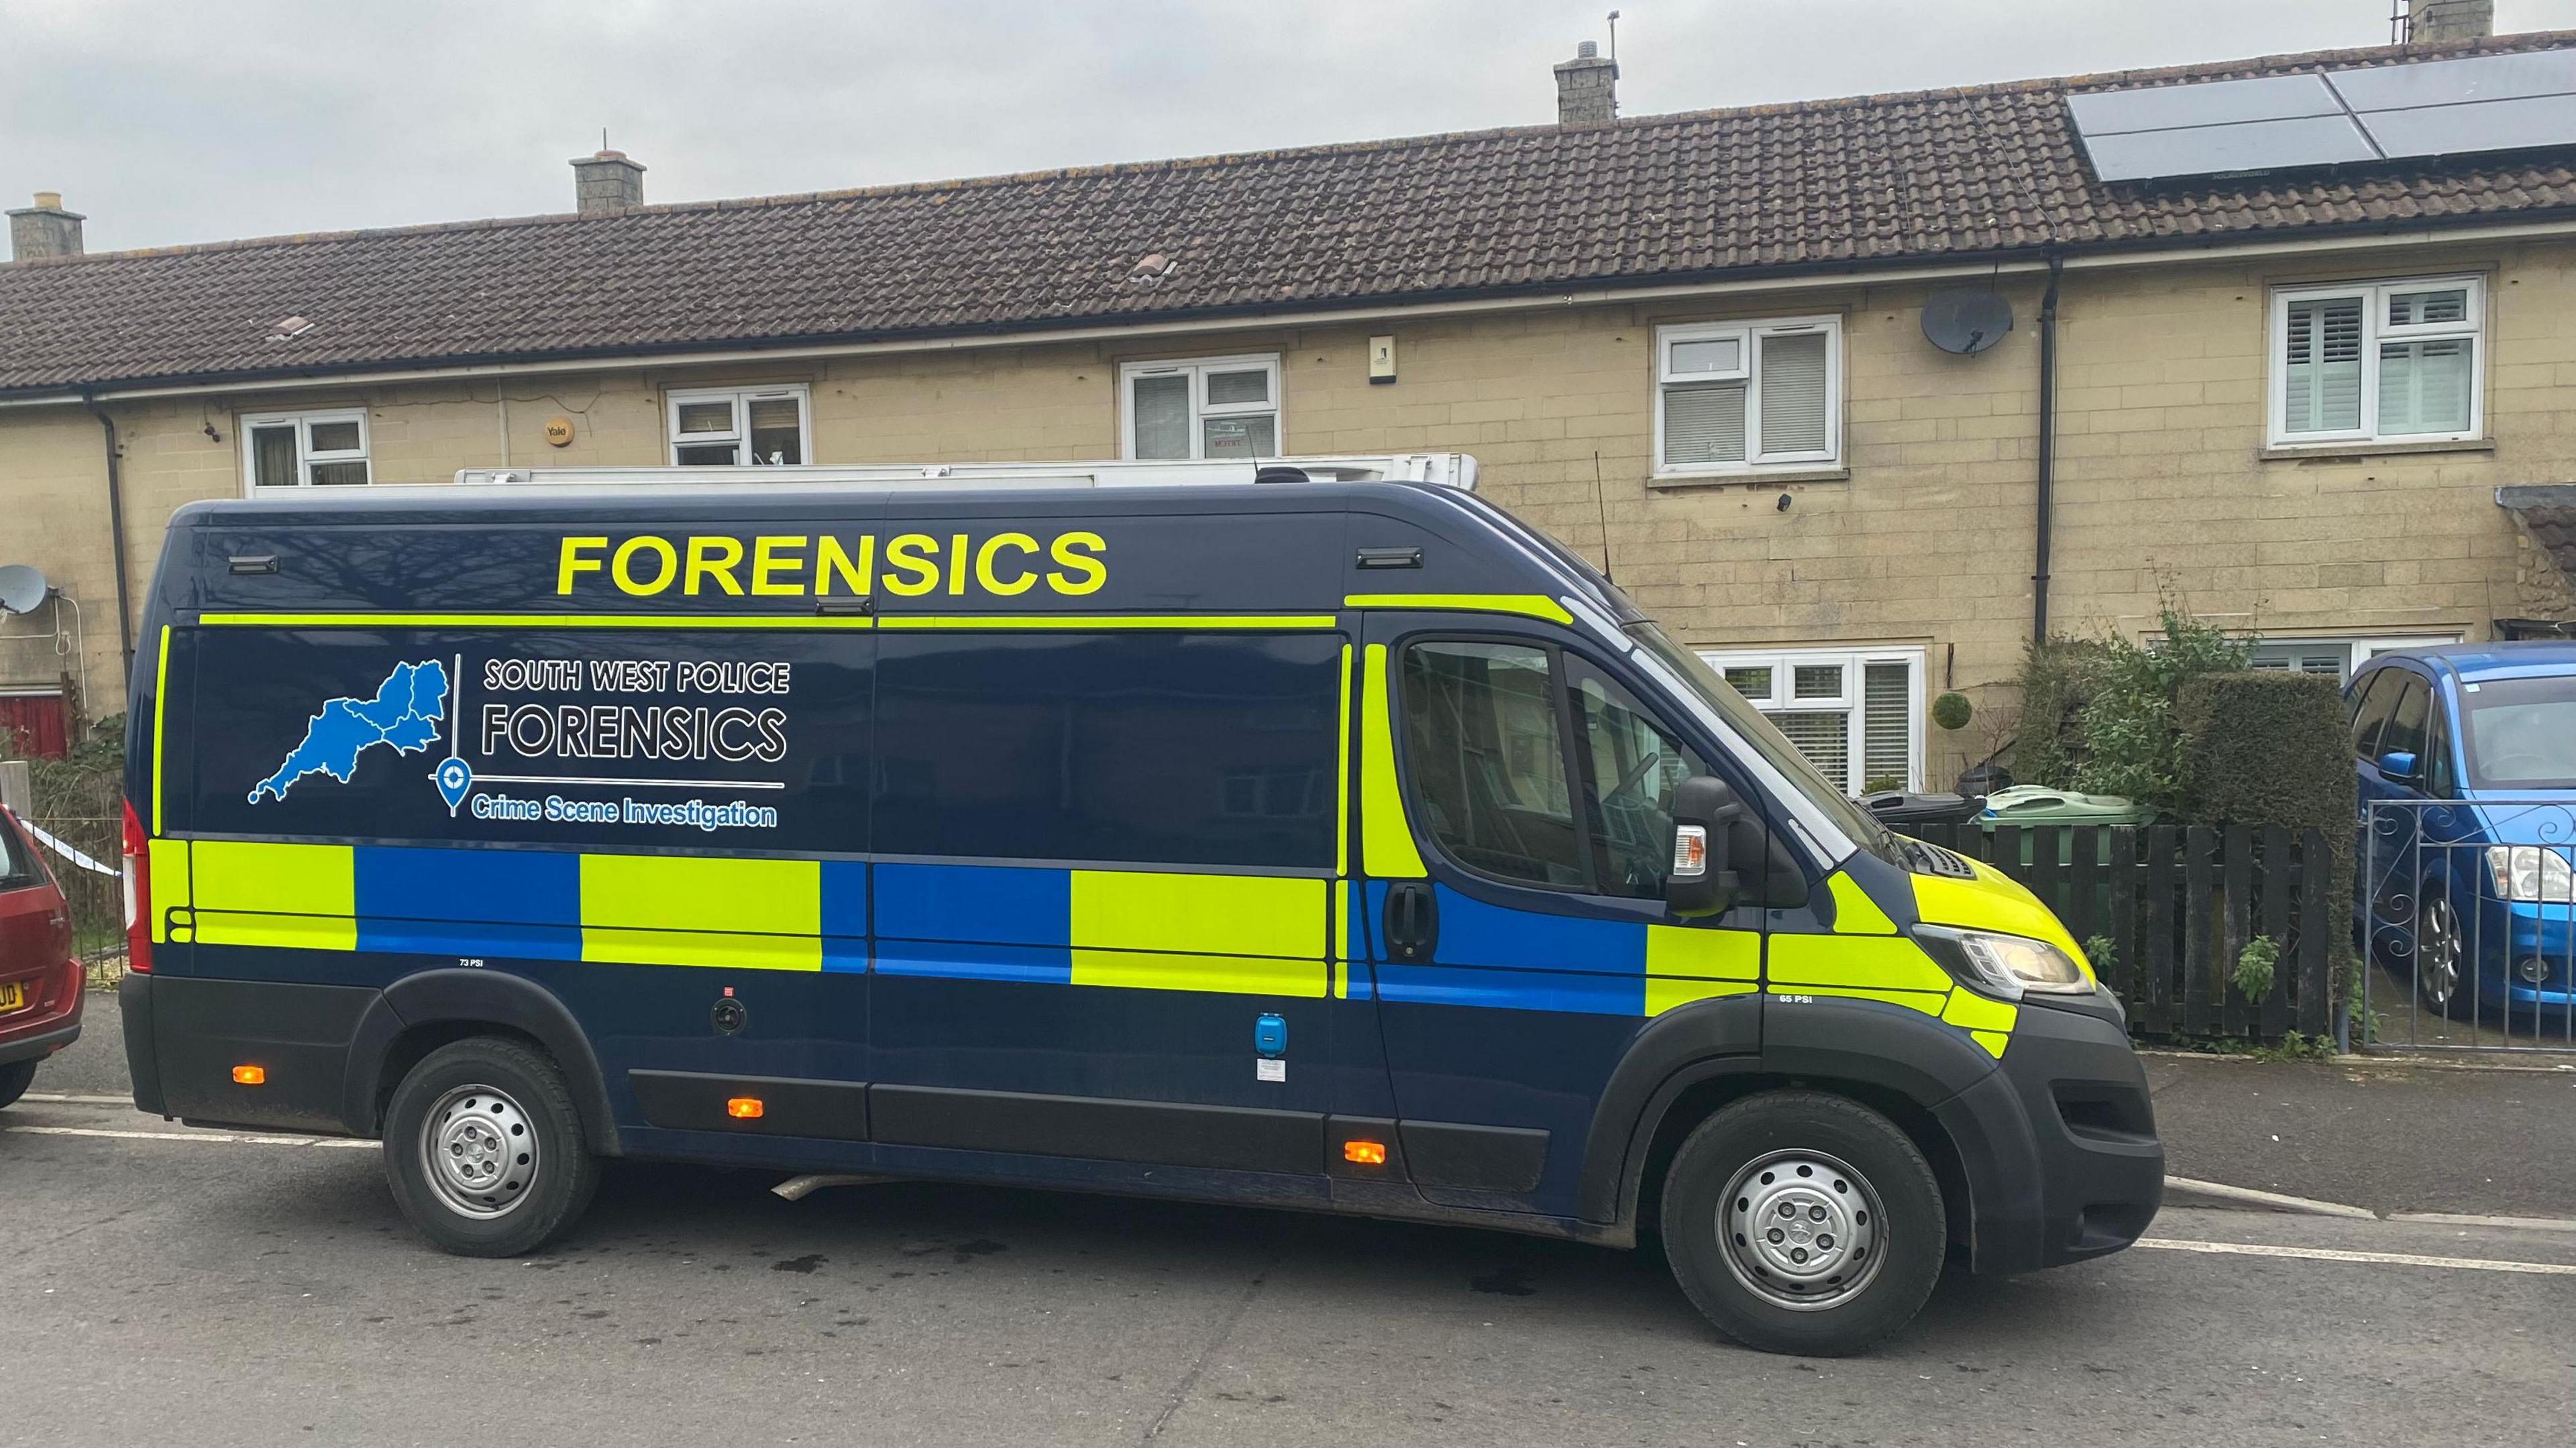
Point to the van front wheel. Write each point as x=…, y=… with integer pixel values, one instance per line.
x=1800, y=1222
x=484, y=1149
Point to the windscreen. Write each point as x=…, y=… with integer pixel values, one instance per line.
x=1766, y=739
x=2521, y=733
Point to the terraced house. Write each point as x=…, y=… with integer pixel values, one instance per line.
x=2289, y=340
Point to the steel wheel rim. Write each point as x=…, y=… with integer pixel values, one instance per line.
x=2438, y=953
x=1801, y=1230
x=478, y=1148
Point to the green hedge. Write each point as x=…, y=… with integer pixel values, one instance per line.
x=2273, y=748
x=2057, y=679
x=2265, y=748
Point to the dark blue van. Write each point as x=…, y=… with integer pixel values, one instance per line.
x=1343, y=846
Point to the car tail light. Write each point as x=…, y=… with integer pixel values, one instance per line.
x=138, y=895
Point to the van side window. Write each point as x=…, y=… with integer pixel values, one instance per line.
x=1126, y=747
x=2405, y=731
x=2377, y=698
x=1487, y=760
x=1630, y=767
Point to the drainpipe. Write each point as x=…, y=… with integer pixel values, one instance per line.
x=2047, y=452
x=116, y=531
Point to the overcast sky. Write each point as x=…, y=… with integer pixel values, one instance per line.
x=198, y=120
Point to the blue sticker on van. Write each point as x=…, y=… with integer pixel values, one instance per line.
x=405, y=713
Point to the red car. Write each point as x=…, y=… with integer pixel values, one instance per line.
x=40, y=981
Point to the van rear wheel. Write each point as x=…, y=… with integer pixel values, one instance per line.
x=1801, y=1222
x=484, y=1149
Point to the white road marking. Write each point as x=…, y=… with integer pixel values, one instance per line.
x=2463, y=1219
x=56, y=1098
x=2187, y=1192
x=2382, y=1259
x=215, y=1138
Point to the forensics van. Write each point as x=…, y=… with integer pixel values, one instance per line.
x=1295, y=836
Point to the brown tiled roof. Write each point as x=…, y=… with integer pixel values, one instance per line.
x=1875, y=180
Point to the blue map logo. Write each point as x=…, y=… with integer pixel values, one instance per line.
x=404, y=714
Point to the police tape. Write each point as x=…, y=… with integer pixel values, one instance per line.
x=68, y=853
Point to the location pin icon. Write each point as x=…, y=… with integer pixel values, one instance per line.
x=453, y=780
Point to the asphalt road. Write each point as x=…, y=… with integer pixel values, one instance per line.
x=176, y=1288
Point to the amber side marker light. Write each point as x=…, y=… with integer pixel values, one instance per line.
x=1366, y=1153
x=250, y=1075
x=743, y=1108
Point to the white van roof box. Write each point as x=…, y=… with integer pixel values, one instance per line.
x=1454, y=470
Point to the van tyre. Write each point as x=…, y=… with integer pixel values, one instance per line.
x=15, y=1078
x=1800, y=1222
x=484, y=1149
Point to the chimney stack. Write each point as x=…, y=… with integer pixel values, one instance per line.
x=1587, y=88
x=607, y=183
x=2433, y=22
x=44, y=229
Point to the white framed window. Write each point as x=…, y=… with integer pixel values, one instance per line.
x=1736, y=397
x=736, y=426
x=1857, y=714
x=305, y=449
x=2398, y=361
x=1205, y=407
x=2336, y=657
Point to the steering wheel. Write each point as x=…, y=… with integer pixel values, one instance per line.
x=2533, y=766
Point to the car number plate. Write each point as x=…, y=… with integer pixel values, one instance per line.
x=13, y=996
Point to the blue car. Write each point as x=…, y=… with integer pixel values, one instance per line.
x=2467, y=762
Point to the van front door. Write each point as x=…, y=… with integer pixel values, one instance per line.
x=1516, y=826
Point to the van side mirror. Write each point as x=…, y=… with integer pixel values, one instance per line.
x=2399, y=766
x=1707, y=818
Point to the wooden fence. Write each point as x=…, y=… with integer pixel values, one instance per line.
x=2178, y=905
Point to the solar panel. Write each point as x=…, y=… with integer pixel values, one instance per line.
x=2246, y=146
x=2277, y=123
x=2513, y=125
x=2453, y=82
x=2216, y=103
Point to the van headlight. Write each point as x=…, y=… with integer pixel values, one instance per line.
x=2004, y=966
x=2531, y=873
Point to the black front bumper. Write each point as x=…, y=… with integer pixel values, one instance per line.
x=2059, y=1144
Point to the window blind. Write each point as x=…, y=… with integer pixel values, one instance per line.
x=1704, y=423
x=1793, y=393
x=1887, y=725
x=1229, y=388
x=1824, y=736
x=2424, y=386
x=2322, y=366
x=1162, y=412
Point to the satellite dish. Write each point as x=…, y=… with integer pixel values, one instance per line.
x=22, y=588
x=1966, y=319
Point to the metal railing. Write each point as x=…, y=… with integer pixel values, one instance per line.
x=2469, y=918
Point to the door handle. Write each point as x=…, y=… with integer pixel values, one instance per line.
x=1412, y=921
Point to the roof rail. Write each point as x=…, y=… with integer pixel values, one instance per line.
x=1454, y=470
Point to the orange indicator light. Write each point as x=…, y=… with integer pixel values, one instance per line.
x=1366, y=1153
x=250, y=1075
x=743, y=1108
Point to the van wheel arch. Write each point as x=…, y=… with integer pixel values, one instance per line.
x=422, y=1012
x=1696, y=1095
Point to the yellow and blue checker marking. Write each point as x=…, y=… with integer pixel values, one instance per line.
x=1244, y=934
x=1517, y=960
